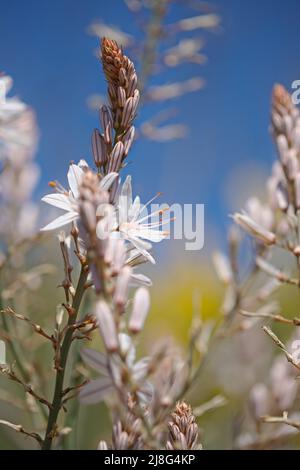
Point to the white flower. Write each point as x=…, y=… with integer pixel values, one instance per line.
x=18, y=132
x=254, y=229
x=9, y=107
x=67, y=200
x=133, y=226
x=98, y=389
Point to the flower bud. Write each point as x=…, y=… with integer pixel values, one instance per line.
x=141, y=304
x=107, y=326
x=254, y=229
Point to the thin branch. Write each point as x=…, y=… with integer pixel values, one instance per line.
x=37, y=328
x=276, y=318
x=216, y=402
x=282, y=420
x=280, y=344
x=19, y=428
x=28, y=389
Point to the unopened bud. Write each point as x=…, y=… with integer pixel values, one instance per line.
x=254, y=229
x=141, y=304
x=99, y=149
x=121, y=291
x=107, y=326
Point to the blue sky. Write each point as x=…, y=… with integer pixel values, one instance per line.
x=45, y=47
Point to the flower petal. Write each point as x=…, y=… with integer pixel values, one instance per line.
x=108, y=180
x=141, y=369
x=95, y=359
x=127, y=348
x=134, y=210
x=95, y=390
x=75, y=175
x=140, y=246
x=146, y=393
x=140, y=280
x=61, y=221
x=58, y=200
x=125, y=200
x=83, y=164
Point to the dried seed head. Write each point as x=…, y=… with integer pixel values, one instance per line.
x=127, y=435
x=183, y=429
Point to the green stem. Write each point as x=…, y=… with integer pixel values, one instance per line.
x=58, y=391
x=17, y=354
x=74, y=405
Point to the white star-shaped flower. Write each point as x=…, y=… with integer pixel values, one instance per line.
x=67, y=200
x=135, y=227
x=100, y=388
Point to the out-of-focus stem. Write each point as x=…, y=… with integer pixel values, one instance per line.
x=153, y=33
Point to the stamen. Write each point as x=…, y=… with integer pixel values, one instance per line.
x=158, y=212
x=149, y=202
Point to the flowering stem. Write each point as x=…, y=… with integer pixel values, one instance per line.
x=58, y=391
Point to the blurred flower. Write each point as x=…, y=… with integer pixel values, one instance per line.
x=201, y=21
x=254, y=229
x=110, y=369
x=102, y=29
x=68, y=199
x=183, y=429
x=187, y=50
x=174, y=90
x=222, y=267
x=19, y=175
x=140, y=308
x=284, y=386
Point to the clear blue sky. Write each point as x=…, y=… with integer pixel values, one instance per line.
x=45, y=47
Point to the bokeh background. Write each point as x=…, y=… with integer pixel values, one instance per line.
x=46, y=47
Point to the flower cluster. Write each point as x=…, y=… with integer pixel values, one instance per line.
x=111, y=147
x=274, y=227
x=112, y=234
